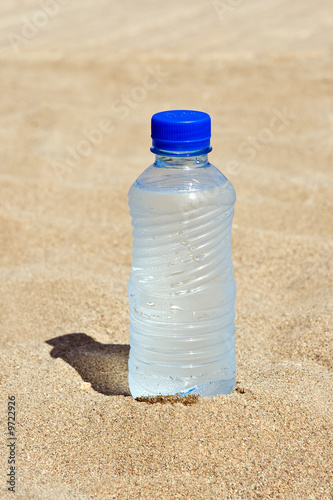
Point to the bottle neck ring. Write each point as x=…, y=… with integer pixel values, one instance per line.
x=201, y=152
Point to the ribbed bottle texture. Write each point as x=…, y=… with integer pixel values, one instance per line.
x=182, y=291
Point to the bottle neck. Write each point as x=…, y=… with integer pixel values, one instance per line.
x=183, y=162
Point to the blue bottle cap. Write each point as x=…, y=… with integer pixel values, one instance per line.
x=181, y=132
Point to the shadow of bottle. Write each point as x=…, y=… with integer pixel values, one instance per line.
x=104, y=366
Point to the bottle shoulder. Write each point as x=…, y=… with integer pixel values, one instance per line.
x=181, y=179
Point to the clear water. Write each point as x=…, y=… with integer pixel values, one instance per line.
x=182, y=291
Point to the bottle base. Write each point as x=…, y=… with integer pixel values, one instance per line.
x=166, y=386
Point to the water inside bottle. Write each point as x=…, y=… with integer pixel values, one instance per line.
x=182, y=291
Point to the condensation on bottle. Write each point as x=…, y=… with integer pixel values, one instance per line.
x=181, y=288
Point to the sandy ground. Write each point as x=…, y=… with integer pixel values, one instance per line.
x=79, y=83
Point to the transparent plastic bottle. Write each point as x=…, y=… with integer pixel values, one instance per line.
x=181, y=289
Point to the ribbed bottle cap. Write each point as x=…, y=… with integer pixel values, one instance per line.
x=181, y=131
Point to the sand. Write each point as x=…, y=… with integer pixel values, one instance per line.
x=264, y=71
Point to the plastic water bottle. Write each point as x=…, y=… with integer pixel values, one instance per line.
x=181, y=289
